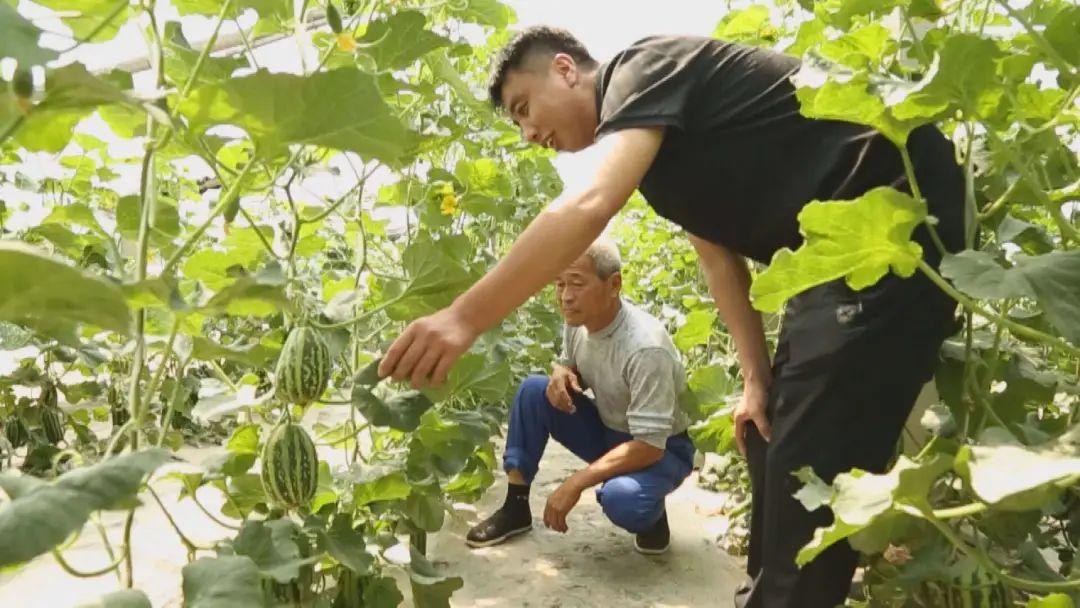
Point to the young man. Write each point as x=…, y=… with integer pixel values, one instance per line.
x=633, y=435
x=710, y=133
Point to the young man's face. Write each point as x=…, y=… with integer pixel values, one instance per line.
x=583, y=296
x=551, y=102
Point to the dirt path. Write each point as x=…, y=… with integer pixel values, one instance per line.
x=593, y=565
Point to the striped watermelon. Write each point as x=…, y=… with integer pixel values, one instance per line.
x=290, y=466
x=117, y=410
x=977, y=590
x=16, y=432
x=303, y=368
x=52, y=422
x=48, y=395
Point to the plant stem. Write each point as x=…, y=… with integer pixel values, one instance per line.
x=971, y=225
x=1014, y=327
x=225, y=6
x=961, y=511
x=909, y=168
x=224, y=377
x=223, y=202
x=191, y=546
x=1040, y=41
x=93, y=573
x=166, y=420
x=361, y=317
x=155, y=381
x=206, y=512
x=129, y=570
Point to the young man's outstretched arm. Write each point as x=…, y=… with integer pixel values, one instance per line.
x=430, y=345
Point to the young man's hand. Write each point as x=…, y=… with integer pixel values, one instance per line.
x=559, y=504
x=563, y=381
x=751, y=410
x=428, y=348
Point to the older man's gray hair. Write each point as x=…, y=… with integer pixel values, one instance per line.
x=605, y=257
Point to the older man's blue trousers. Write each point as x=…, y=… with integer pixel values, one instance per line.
x=634, y=501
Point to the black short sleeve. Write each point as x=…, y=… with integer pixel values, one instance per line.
x=645, y=89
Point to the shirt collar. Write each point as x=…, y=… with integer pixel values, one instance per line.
x=612, y=327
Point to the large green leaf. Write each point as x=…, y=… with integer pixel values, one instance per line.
x=341, y=109
x=86, y=17
x=402, y=39
x=346, y=545
x=19, y=39
x=271, y=546
x=401, y=411
x=859, y=240
x=449, y=439
x=859, y=499
x=696, y=330
x=378, y=483
x=41, y=516
x=714, y=434
x=222, y=582
x=435, y=278
x=382, y=592
x=1011, y=476
x=477, y=376
x=126, y=598
x=483, y=176
x=1053, y=279
x=830, y=93
x=431, y=588
x=50, y=296
x=180, y=60
x=965, y=78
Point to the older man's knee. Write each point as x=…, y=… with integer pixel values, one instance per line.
x=628, y=506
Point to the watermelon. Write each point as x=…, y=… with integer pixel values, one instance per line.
x=48, y=395
x=290, y=466
x=52, y=422
x=979, y=589
x=16, y=432
x=303, y=368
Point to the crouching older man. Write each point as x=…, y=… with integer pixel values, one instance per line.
x=632, y=434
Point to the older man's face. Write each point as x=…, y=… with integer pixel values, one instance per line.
x=582, y=294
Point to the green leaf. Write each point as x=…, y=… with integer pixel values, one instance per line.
x=431, y=589
x=1053, y=279
x=40, y=517
x=696, y=330
x=341, y=109
x=1054, y=600
x=815, y=493
x=487, y=12
x=378, y=483
x=477, y=376
x=860, y=498
x=347, y=546
x=435, y=278
x=965, y=79
x=714, y=434
x=859, y=240
x=84, y=17
x=126, y=598
x=483, y=176
x=425, y=510
x=271, y=546
x=750, y=25
x=1015, y=477
x=19, y=39
x=1063, y=33
x=369, y=376
x=222, y=582
x=48, y=295
x=257, y=295
x=712, y=385
x=382, y=592
x=828, y=93
x=401, y=40
x=401, y=411
x=180, y=60
x=246, y=492
x=451, y=439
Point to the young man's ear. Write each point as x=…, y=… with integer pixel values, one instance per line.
x=566, y=67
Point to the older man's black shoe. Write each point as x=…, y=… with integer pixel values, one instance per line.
x=503, y=525
x=655, y=540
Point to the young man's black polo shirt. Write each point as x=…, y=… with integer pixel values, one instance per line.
x=739, y=161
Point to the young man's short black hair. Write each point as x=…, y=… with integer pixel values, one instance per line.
x=525, y=44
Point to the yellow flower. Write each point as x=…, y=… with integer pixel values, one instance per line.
x=449, y=204
x=346, y=42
